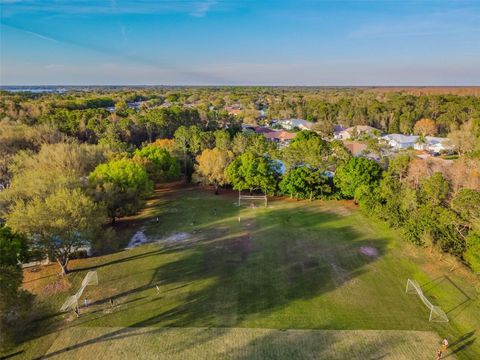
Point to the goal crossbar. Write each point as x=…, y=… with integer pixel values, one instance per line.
x=436, y=313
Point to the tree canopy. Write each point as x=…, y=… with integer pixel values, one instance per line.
x=122, y=185
x=356, y=172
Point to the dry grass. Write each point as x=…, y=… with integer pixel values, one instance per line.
x=242, y=343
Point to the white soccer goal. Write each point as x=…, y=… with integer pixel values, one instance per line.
x=251, y=197
x=436, y=313
x=72, y=302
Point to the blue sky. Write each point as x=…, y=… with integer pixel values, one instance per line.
x=241, y=42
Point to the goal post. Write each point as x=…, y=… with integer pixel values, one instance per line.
x=436, y=313
x=72, y=301
x=251, y=197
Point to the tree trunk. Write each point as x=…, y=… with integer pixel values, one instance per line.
x=63, y=266
x=185, y=166
x=113, y=220
x=215, y=185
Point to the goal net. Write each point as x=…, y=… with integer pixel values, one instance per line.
x=72, y=302
x=251, y=200
x=436, y=313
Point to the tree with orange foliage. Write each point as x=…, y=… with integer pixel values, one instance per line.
x=425, y=127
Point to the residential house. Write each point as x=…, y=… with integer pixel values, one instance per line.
x=358, y=149
x=438, y=144
x=400, y=141
x=281, y=137
x=355, y=148
x=357, y=131
x=234, y=109
x=429, y=143
x=290, y=124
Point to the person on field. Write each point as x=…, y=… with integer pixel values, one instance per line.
x=445, y=345
x=439, y=354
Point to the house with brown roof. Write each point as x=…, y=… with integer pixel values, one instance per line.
x=357, y=131
x=281, y=137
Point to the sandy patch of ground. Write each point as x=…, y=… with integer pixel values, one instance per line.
x=177, y=237
x=61, y=284
x=137, y=239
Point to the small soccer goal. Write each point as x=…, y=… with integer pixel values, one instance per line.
x=251, y=199
x=72, y=302
x=436, y=313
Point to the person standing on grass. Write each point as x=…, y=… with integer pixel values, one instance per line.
x=439, y=354
x=445, y=345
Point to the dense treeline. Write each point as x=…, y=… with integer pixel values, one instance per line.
x=70, y=167
x=393, y=112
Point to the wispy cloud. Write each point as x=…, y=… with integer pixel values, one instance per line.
x=40, y=36
x=196, y=8
x=203, y=7
x=147, y=63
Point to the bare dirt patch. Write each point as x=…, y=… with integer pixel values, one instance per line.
x=60, y=285
x=177, y=237
x=137, y=239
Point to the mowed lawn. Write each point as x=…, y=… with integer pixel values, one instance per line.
x=298, y=279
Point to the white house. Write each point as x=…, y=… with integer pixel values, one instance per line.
x=432, y=144
x=400, y=141
x=356, y=131
x=290, y=124
x=438, y=144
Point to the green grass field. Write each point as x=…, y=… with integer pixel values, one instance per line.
x=289, y=281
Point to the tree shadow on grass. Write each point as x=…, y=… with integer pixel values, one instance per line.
x=257, y=271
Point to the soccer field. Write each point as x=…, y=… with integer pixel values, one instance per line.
x=295, y=280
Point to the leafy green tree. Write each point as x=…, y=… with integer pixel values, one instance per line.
x=472, y=252
x=13, y=250
x=305, y=183
x=398, y=165
x=434, y=190
x=305, y=135
x=160, y=165
x=211, y=167
x=467, y=205
x=60, y=224
x=312, y=151
x=121, y=185
x=222, y=140
x=252, y=172
x=356, y=172
x=182, y=139
x=55, y=166
x=13, y=247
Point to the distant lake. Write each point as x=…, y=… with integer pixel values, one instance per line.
x=34, y=89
